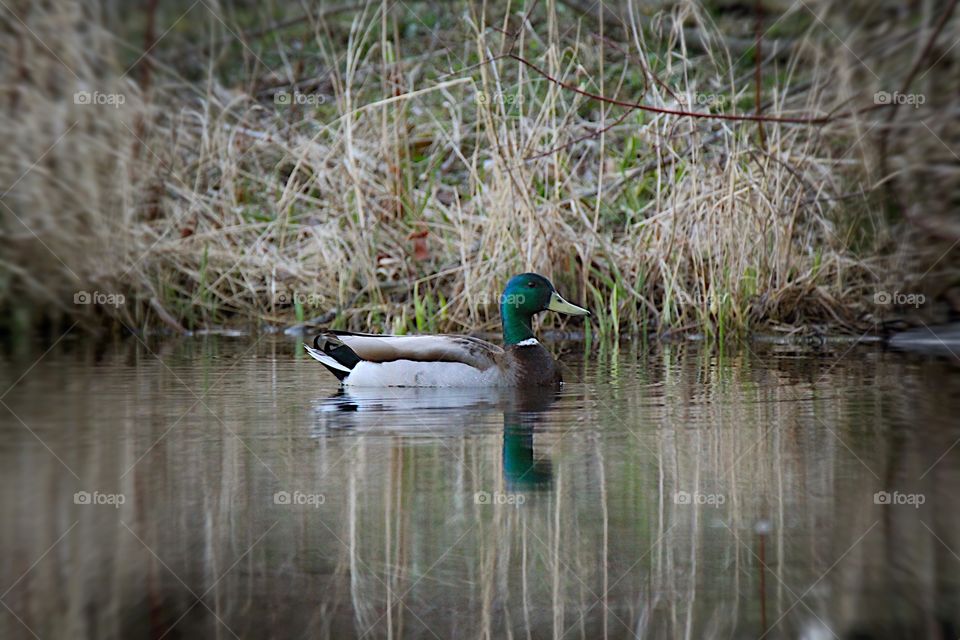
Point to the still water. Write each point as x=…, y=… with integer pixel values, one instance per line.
x=224, y=487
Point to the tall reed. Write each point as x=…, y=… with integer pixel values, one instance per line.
x=389, y=167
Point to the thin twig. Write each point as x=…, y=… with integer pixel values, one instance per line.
x=757, y=67
x=809, y=120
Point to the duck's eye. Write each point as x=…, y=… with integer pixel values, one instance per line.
x=531, y=284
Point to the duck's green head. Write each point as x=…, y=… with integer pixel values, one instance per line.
x=525, y=296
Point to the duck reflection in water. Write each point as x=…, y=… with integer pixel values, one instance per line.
x=522, y=471
x=425, y=411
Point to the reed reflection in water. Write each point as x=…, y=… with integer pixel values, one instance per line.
x=664, y=492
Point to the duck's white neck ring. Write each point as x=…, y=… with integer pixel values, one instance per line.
x=529, y=342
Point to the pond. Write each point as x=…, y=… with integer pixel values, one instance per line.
x=225, y=487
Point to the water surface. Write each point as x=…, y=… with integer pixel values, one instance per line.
x=225, y=487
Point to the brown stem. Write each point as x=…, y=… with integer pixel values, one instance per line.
x=149, y=40
x=691, y=114
x=758, y=64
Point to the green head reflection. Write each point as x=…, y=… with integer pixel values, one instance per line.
x=521, y=469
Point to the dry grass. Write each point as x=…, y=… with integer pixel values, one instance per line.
x=421, y=178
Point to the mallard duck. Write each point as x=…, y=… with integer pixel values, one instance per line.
x=363, y=359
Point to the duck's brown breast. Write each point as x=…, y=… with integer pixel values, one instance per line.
x=532, y=365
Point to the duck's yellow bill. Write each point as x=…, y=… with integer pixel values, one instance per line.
x=560, y=305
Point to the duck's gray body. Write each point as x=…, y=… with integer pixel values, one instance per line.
x=358, y=359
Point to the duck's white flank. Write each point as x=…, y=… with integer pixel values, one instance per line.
x=408, y=373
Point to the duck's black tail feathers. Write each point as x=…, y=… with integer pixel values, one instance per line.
x=338, y=358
